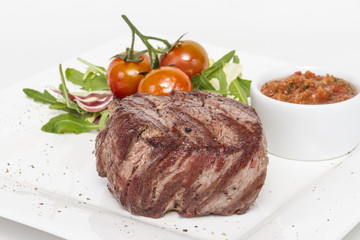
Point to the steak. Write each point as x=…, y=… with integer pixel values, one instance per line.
x=196, y=153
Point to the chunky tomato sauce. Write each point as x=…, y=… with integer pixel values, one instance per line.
x=308, y=88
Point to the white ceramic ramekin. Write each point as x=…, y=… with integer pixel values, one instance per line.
x=307, y=132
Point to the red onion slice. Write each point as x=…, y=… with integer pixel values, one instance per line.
x=93, y=102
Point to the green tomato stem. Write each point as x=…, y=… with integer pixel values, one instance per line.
x=145, y=39
x=131, y=52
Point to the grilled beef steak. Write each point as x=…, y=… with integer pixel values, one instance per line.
x=197, y=153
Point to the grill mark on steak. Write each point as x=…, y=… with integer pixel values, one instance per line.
x=178, y=183
x=249, y=197
x=211, y=99
x=153, y=174
x=217, y=112
x=194, y=199
x=142, y=112
x=120, y=152
x=200, y=133
x=163, y=166
x=141, y=191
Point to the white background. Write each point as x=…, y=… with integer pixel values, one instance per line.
x=38, y=34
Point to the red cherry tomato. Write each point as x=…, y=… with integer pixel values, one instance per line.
x=123, y=77
x=187, y=55
x=161, y=81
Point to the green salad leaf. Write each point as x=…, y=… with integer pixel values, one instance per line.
x=68, y=123
x=240, y=89
x=88, y=82
x=225, y=59
x=45, y=97
x=93, y=79
x=224, y=77
x=65, y=93
x=62, y=107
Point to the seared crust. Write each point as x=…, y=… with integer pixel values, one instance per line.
x=197, y=153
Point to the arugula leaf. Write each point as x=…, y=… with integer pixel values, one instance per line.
x=236, y=59
x=195, y=80
x=240, y=89
x=65, y=92
x=93, y=68
x=88, y=82
x=63, y=107
x=67, y=123
x=92, y=80
x=223, y=77
x=103, y=119
x=58, y=105
x=245, y=84
x=45, y=97
x=225, y=59
x=205, y=82
x=202, y=82
x=75, y=76
x=209, y=70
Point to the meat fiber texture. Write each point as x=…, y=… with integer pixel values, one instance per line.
x=196, y=153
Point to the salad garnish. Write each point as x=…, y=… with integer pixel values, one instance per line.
x=86, y=109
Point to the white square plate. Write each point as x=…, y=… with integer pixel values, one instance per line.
x=49, y=181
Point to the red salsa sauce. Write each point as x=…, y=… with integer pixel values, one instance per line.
x=309, y=88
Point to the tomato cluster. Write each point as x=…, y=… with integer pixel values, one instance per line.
x=177, y=67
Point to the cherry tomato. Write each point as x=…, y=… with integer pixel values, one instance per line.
x=187, y=55
x=123, y=77
x=161, y=81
